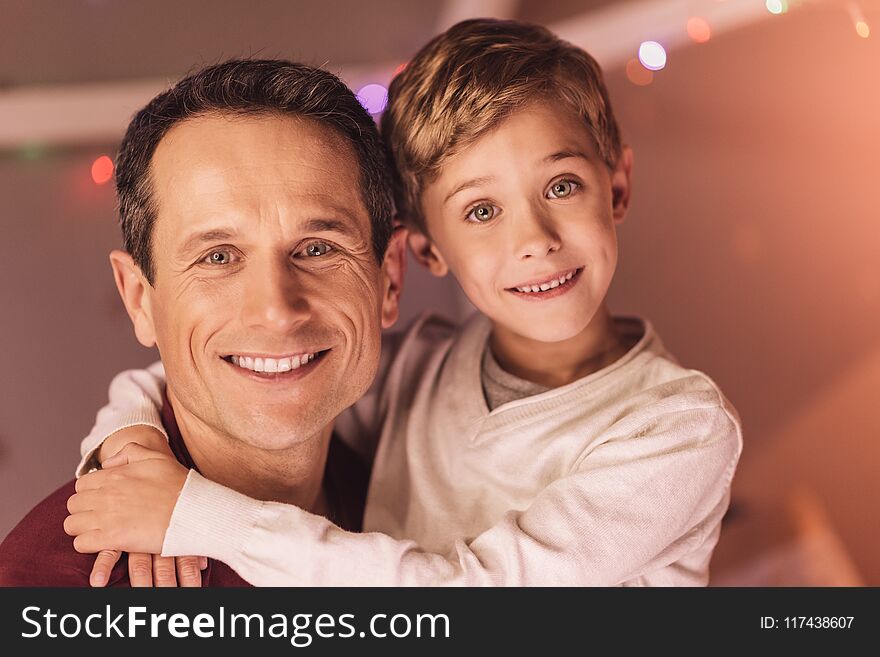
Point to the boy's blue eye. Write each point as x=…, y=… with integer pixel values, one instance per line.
x=561, y=189
x=481, y=213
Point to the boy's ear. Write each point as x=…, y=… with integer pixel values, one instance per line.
x=426, y=253
x=621, y=184
x=134, y=290
x=393, y=273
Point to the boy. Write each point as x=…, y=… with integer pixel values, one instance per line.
x=544, y=442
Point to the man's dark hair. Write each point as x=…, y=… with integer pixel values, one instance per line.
x=248, y=87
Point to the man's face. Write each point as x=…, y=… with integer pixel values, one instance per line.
x=525, y=220
x=267, y=303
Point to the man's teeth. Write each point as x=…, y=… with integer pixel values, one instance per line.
x=272, y=364
x=543, y=287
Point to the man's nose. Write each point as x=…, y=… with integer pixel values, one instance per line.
x=535, y=234
x=274, y=299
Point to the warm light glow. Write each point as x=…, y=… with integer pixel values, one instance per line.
x=863, y=30
x=102, y=170
x=777, y=6
x=652, y=55
x=638, y=74
x=399, y=70
x=698, y=29
x=373, y=97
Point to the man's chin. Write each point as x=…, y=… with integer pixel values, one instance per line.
x=279, y=435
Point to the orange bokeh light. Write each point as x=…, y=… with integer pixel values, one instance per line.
x=638, y=74
x=698, y=29
x=102, y=170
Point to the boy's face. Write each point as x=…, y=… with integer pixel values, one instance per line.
x=525, y=220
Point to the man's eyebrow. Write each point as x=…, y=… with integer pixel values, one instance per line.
x=330, y=225
x=205, y=237
x=564, y=155
x=468, y=184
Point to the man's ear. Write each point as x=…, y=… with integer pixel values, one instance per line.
x=621, y=184
x=133, y=288
x=393, y=272
x=426, y=253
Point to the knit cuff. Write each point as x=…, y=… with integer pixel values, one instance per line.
x=210, y=520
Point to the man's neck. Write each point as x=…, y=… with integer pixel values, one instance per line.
x=293, y=475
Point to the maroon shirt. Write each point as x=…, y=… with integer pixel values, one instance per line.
x=37, y=552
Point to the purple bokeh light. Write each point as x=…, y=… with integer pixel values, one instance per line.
x=374, y=98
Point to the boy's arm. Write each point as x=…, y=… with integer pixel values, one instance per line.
x=135, y=401
x=133, y=415
x=637, y=504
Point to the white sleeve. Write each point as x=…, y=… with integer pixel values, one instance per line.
x=635, y=504
x=135, y=398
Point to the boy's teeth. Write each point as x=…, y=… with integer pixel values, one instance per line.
x=543, y=287
x=272, y=365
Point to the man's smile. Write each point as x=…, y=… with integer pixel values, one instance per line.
x=281, y=368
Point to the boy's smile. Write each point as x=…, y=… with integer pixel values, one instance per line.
x=525, y=218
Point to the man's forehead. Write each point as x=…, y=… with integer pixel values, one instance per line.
x=217, y=142
x=221, y=168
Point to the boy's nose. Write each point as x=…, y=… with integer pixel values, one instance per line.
x=536, y=235
x=274, y=300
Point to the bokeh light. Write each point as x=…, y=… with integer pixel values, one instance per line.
x=399, y=69
x=698, y=29
x=652, y=55
x=776, y=6
x=102, y=170
x=638, y=74
x=863, y=30
x=374, y=98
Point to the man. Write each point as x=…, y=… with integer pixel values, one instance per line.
x=255, y=206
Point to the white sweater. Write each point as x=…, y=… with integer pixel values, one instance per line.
x=619, y=478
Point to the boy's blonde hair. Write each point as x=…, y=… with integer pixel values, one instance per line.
x=464, y=82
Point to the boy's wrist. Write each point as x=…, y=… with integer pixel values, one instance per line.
x=144, y=435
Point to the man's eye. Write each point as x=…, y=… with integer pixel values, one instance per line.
x=317, y=249
x=218, y=257
x=482, y=213
x=561, y=189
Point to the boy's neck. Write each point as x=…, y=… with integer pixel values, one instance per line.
x=555, y=364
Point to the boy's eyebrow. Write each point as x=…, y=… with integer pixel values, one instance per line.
x=564, y=155
x=467, y=184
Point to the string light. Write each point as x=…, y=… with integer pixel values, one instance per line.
x=776, y=6
x=102, y=170
x=858, y=19
x=652, y=55
x=638, y=74
x=374, y=98
x=698, y=29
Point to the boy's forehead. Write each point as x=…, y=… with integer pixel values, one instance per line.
x=535, y=135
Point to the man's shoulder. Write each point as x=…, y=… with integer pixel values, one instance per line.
x=37, y=552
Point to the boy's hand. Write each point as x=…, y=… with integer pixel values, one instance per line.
x=127, y=506
x=140, y=434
